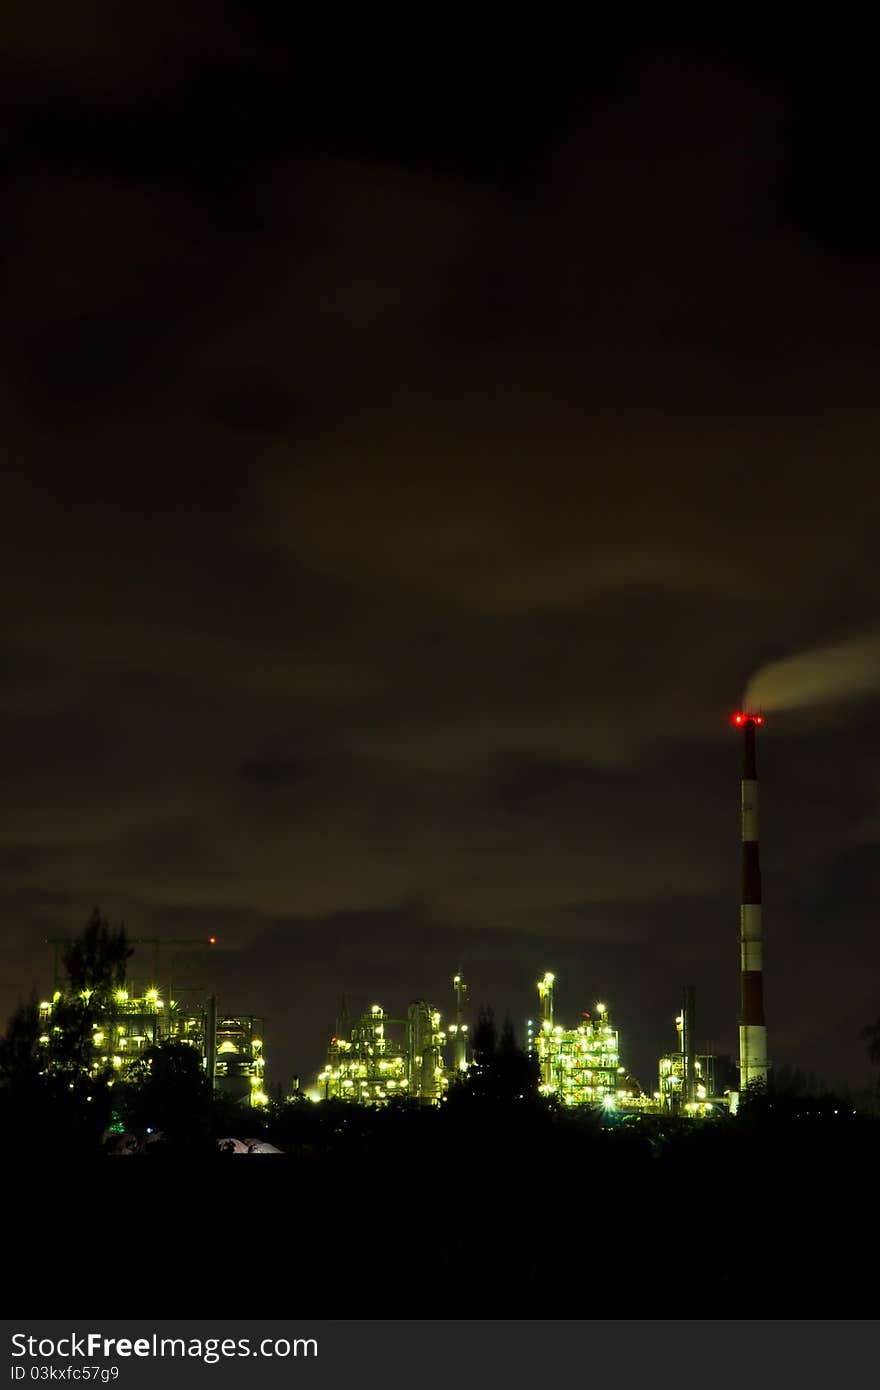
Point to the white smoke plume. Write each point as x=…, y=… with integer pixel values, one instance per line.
x=818, y=676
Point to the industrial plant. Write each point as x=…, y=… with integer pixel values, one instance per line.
x=140, y=1015
x=378, y=1058
x=384, y=1058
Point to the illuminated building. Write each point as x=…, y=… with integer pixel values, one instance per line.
x=673, y=1084
x=370, y=1066
x=689, y=1081
x=132, y=1020
x=386, y=1058
x=239, y=1068
x=580, y=1065
x=136, y=1017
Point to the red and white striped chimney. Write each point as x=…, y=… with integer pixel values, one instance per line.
x=752, y=1029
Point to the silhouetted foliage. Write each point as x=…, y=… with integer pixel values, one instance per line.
x=52, y=1088
x=871, y=1034
x=96, y=960
x=794, y=1081
x=166, y=1091
x=501, y=1071
x=485, y=1039
x=47, y=1101
x=19, y=1051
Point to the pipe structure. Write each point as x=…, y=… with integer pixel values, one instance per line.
x=211, y=1040
x=688, y=1046
x=459, y=1028
x=545, y=994
x=753, y=1065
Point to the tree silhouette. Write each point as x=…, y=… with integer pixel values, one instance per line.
x=167, y=1091
x=19, y=1047
x=485, y=1039
x=52, y=1083
x=501, y=1072
x=871, y=1034
x=95, y=962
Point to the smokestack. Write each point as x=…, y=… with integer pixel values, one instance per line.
x=752, y=1029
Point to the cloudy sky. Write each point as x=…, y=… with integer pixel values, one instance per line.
x=404, y=477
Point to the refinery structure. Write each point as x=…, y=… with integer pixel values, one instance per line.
x=580, y=1065
x=138, y=1015
x=378, y=1058
x=383, y=1059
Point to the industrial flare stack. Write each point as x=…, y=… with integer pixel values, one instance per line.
x=752, y=1029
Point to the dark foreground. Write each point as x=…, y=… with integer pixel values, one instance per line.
x=501, y=1212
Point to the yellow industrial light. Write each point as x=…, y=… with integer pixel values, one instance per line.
x=45, y=1006
x=122, y=996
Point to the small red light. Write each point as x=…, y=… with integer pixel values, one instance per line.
x=737, y=719
x=759, y=719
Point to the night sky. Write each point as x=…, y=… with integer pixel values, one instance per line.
x=407, y=467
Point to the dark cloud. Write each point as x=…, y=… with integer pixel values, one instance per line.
x=397, y=507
